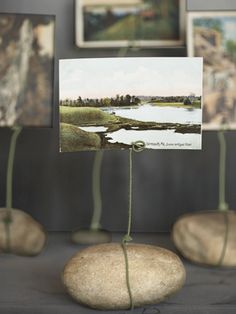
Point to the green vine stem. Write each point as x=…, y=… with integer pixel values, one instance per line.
x=223, y=206
x=127, y=238
x=11, y=156
x=10, y=165
x=97, y=199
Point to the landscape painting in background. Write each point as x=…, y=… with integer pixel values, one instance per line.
x=212, y=35
x=26, y=69
x=111, y=103
x=102, y=23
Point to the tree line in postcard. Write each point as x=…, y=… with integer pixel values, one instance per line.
x=127, y=100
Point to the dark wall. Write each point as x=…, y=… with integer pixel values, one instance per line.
x=211, y=5
x=56, y=188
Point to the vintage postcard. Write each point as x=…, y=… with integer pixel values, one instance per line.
x=26, y=69
x=119, y=23
x=212, y=35
x=110, y=103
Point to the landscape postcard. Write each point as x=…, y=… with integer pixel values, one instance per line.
x=110, y=103
x=117, y=23
x=26, y=69
x=212, y=35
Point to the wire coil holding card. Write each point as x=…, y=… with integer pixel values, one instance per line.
x=137, y=147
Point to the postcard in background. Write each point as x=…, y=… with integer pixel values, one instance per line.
x=26, y=69
x=212, y=35
x=119, y=23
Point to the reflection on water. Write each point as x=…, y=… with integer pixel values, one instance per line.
x=155, y=139
x=152, y=113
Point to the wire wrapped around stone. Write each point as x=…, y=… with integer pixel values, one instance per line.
x=7, y=222
x=226, y=237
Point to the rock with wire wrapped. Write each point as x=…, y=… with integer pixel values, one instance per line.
x=97, y=276
x=20, y=234
x=207, y=237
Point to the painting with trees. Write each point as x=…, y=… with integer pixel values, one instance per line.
x=101, y=23
x=212, y=35
x=110, y=103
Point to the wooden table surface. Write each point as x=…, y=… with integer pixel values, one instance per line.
x=33, y=285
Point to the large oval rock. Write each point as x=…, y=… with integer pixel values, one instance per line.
x=200, y=237
x=96, y=276
x=26, y=236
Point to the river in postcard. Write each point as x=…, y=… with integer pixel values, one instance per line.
x=155, y=139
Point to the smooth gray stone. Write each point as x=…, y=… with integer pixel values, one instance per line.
x=207, y=237
x=25, y=237
x=96, y=276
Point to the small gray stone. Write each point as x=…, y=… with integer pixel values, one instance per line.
x=26, y=235
x=200, y=237
x=89, y=236
x=96, y=276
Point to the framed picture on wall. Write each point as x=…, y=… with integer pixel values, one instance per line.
x=26, y=69
x=121, y=23
x=212, y=35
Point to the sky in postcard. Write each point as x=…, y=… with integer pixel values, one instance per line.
x=229, y=24
x=107, y=77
